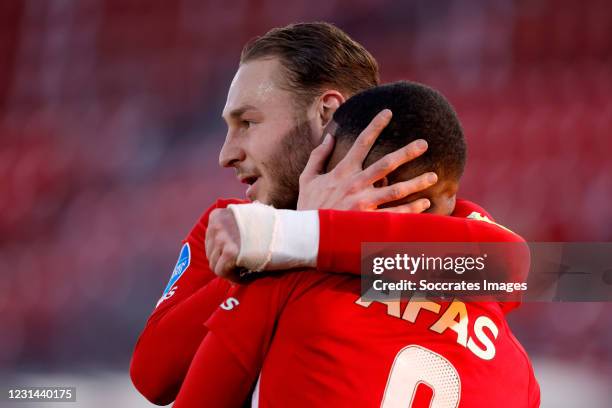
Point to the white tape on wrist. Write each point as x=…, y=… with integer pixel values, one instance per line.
x=272, y=239
x=297, y=240
x=257, y=226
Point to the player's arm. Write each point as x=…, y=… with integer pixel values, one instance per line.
x=227, y=363
x=176, y=328
x=330, y=240
x=341, y=234
x=216, y=378
x=166, y=346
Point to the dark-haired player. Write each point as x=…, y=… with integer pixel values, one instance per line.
x=311, y=340
x=288, y=85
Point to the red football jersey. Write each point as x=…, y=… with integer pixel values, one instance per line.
x=176, y=328
x=313, y=342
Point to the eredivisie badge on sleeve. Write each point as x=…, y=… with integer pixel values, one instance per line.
x=181, y=266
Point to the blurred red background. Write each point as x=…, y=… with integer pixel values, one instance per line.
x=110, y=130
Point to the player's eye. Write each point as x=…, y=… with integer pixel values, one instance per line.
x=247, y=123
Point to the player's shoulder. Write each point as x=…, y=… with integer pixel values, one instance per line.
x=200, y=226
x=469, y=209
x=224, y=202
x=292, y=283
x=285, y=278
x=221, y=203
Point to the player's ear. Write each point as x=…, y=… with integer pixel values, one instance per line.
x=447, y=198
x=328, y=102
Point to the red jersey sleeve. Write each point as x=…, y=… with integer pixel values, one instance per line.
x=341, y=234
x=176, y=328
x=216, y=378
x=227, y=364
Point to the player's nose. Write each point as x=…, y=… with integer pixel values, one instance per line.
x=231, y=153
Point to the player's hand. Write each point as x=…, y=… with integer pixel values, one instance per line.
x=350, y=187
x=222, y=243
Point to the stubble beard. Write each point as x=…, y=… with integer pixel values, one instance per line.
x=289, y=161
